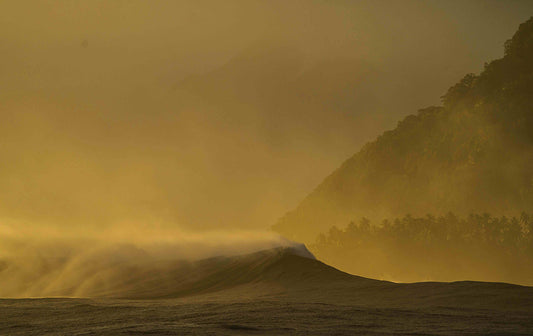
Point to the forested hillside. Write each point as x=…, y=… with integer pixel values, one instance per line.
x=473, y=154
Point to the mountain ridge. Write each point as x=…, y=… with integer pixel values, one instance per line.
x=472, y=154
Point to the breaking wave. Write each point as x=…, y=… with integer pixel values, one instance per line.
x=135, y=271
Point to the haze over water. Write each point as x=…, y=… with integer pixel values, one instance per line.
x=207, y=115
x=208, y=167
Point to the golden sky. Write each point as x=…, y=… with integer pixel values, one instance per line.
x=214, y=114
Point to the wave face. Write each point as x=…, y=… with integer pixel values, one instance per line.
x=288, y=272
x=131, y=272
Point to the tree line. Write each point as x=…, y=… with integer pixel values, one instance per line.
x=442, y=248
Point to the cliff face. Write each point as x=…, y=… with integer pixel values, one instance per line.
x=472, y=154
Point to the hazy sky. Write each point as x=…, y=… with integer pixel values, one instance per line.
x=214, y=114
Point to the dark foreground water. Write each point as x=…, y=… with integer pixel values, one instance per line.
x=174, y=317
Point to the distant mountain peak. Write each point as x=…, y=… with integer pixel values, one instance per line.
x=521, y=44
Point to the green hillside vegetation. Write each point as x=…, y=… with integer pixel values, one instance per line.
x=444, y=248
x=473, y=154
